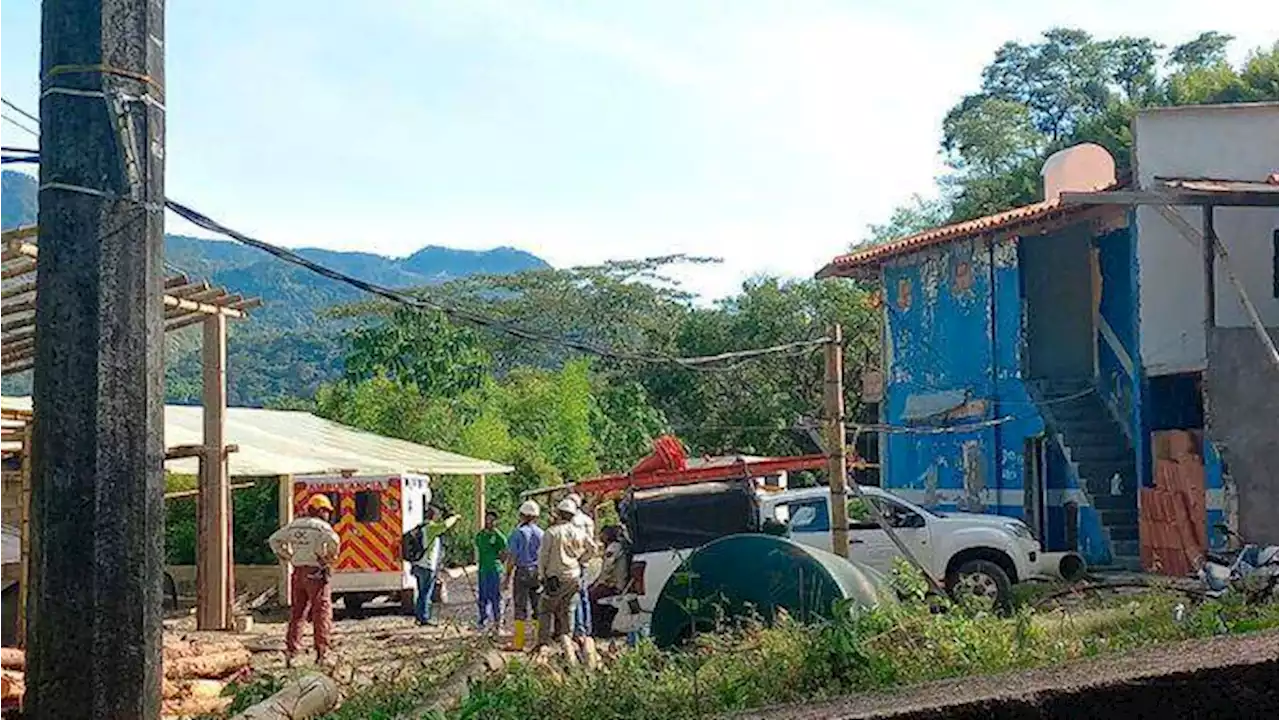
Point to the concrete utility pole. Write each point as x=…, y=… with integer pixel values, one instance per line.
x=93, y=626
x=833, y=409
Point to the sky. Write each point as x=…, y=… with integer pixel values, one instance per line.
x=765, y=133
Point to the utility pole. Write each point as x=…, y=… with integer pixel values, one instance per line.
x=833, y=410
x=97, y=525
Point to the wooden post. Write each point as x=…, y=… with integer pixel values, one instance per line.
x=480, y=509
x=284, y=498
x=1210, y=281
x=833, y=407
x=213, y=510
x=24, y=534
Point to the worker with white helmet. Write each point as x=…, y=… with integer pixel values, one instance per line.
x=523, y=546
x=310, y=543
x=582, y=606
x=564, y=546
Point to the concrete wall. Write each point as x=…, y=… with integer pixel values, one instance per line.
x=1241, y=416
x=1232, y=142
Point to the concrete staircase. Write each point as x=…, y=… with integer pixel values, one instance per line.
x=1099, y=451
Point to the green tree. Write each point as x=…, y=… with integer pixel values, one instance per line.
x=1208, y=49
x=916, y=215
x=422, y=348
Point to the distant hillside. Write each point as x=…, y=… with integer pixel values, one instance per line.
x=285, y=350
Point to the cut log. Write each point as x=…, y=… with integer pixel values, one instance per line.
x=304, y=698
x=199, y=687
x=12, y=686
x=212, y=665
x=193, y=706
x=175, y=648
x=13, y=658
x=454, y=689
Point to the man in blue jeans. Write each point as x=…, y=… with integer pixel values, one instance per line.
x=424, y=569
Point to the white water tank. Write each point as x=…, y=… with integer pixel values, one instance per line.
x=1079, y=168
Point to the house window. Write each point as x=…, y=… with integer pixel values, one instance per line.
x=904, y=294
x=963, y=280
x=368, y=506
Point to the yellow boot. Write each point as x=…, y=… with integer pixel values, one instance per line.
x=517, y=642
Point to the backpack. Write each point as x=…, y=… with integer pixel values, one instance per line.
x=411, y=547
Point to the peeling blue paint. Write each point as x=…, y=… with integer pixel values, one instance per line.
x=949, y=327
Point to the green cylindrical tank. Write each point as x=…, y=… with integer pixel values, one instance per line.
x=741, y=575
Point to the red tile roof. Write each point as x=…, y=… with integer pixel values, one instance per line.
x=847, y=265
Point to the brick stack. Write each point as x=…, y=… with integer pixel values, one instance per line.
x=1171, y=519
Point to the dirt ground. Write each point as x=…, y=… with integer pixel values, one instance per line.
x=1225, y=677
x=377, y=644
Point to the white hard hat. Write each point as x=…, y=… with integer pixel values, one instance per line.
x=567, y=506
x=576, y=498
x=529, y=508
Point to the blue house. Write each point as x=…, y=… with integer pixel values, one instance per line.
x=1029, y=356
x=1007, y=350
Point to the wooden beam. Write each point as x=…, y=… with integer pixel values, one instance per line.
x=480, y=502
x=12, y=235
x=284, y=514
x=174, y=281
x=18, y=290
x=186, y=289
x=1210, y=279
x=174, y=302
x=194, y=493
x=179, y=452
x=213, y=542
x=1171, y=197
x=22, y=306
x=17, y=269
x=19, y=367
x=24, y=575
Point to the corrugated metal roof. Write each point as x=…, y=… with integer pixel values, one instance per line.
x=1220, y=185
x=280, y=442
x=1017, y=217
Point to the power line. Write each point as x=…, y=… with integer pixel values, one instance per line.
x=19, y=125
x=20, y=111
x=470, y=317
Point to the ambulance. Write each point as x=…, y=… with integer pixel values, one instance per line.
x=371, y=513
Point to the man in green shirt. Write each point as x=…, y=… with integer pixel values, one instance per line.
x=490, y=543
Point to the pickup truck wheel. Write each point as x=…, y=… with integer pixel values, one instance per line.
x=981, y=585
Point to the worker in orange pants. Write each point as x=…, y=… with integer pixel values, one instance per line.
x=311, y=544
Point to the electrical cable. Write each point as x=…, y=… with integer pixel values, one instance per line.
x=19, y=125
x=20, y=111
x=471, y=317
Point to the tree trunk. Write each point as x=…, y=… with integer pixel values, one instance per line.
x=301, y=699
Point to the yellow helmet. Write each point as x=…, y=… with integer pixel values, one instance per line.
x=320, y=501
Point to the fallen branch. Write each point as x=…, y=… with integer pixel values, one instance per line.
x=306, y=697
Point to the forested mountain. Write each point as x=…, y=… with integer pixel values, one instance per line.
x=289, y=346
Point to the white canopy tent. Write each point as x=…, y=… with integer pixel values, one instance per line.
x=287, y=442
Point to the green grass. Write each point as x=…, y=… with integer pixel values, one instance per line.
x=884, y=648
x=753, y=666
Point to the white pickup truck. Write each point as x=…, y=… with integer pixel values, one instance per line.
x=981, y=555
